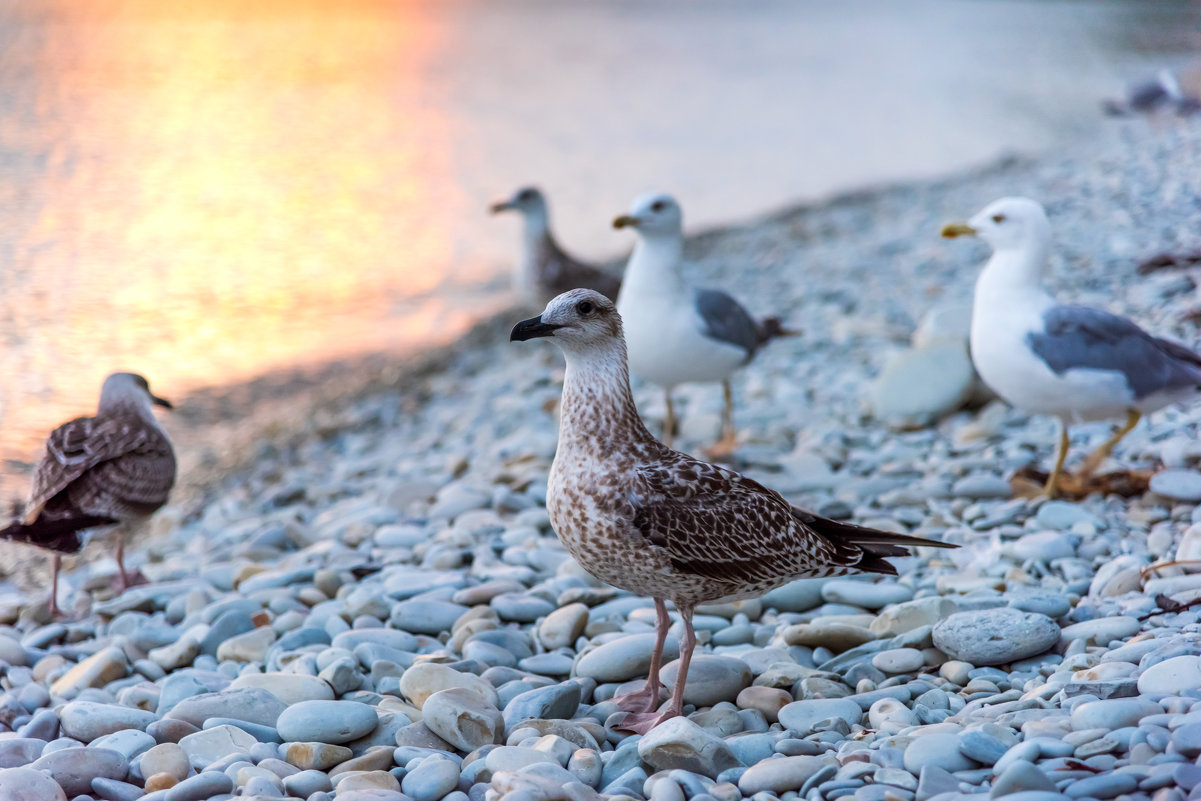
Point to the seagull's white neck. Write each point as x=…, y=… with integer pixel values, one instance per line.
x=1013, y=271
x=654, y=267
x=536, y=226
x=598, y=411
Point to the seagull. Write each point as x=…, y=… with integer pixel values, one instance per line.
x=676, y=333
x=546, y=269
x=115, y=468
x=1070, y=362
x=640, y=516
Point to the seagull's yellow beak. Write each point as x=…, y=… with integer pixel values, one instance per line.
x=952, y=230
x=626, y=221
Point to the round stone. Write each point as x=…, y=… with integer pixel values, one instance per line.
x=802, y=716
x=624, y=658
x=431, y=780
x=899, y=660
x=332, y=722
x=779, y=775
x=940, y=750
x=1179, y=485
x=995, y=636
x=27, y=784
x=711, y=679
x=1173, y=676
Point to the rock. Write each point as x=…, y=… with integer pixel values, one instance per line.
x=291, y=688
x=920, y=385
x=767, y=700
x=28, y=784
x=426, y=616
x=711, y=679
x=562, y=627
x=1062, y=515
x=249, y=704
x=107, y=664
x=1174, y=676
x=1021, y=776
x=20, y=751
x=624, y=658
x=779, y=775
x=424, y=679
x=431, y=780
x=796, y=596
x=1101, y=631
x=544, y=703
x=910, y=615
x=74, y=768
x=866, y=594
x=315, y=756
x=205, y=747
x=462, y=718
x=802, y=716
x=899, y=660
x=200, y=787
x=1044, y=546
x=681, y=744
x=166, y=758
x=1179, y=485
x=250, y=646
x=837, y=637
x=86, y=720
x=113, y=790
x=1113, y=713
x=127, y=742
x=995, y=636
x=333, y=722
x=940, y=750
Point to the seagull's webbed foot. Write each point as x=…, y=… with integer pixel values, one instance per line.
x=640, y=701
x=723, y=447
x=643, y=722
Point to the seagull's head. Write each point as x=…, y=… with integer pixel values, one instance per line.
x=124, y=389
x=1010, y=223
x=578, y=320
x=527, y=200
x=654, y=214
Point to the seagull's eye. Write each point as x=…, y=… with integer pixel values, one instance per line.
x=585, y=307
x=998, y=218
x=658, y=205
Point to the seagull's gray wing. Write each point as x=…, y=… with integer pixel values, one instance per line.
x=725, y=320
x=1078, y=337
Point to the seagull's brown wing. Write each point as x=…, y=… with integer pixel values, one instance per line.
x=716, y=523
x=76, y=447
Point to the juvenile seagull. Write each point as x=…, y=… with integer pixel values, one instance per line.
x=676, y=333
x=640, y=516
x=1071, y=362
x=546, y=269
x=116, y=467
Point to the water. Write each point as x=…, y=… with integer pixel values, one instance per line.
x=207, y=191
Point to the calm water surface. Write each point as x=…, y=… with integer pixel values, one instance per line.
x=206, y=191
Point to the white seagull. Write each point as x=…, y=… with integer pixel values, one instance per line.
x=1070, y=362
x=640, y=516
x=116, y=467
x=545, y=269
x=676, y=333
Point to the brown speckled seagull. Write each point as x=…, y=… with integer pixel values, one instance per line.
x=117, y=467
x=643, y=517
x=545, y=268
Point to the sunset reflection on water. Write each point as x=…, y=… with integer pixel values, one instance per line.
x=237, y=186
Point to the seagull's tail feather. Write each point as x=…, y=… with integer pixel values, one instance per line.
x=56, y=534
x=773, y=327
x=865, y=548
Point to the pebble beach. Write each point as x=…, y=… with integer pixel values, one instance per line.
x=378, y=610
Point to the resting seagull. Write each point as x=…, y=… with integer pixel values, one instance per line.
x=1071, y=362
x=676, y=333
x=642, y=517
x=546, y=269
x=114, y=468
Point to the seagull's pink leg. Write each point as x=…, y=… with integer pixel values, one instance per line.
x=647, y=699
x=641, y=723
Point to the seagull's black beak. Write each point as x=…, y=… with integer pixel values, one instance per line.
x=504, y=205
x=166, y=404
x=626, y=221
x=532, y=329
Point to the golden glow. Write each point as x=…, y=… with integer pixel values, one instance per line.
x=238, y=187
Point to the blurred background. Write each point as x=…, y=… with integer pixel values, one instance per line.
x=211, y=191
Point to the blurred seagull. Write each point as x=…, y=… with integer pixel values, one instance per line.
x=115, y=468
x=1071, y=362
x=676, y=333
x=546, y=269
x=642, y=517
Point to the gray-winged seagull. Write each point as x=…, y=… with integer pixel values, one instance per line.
x=640, y=516
x=545, y=269
x=115, y=468
x=1071, y=362
x=678, y=334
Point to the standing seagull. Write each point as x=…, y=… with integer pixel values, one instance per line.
x=116, y=467
x=678, y=334
x=546, y=269
x=1071, y=362
x=640, y=516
